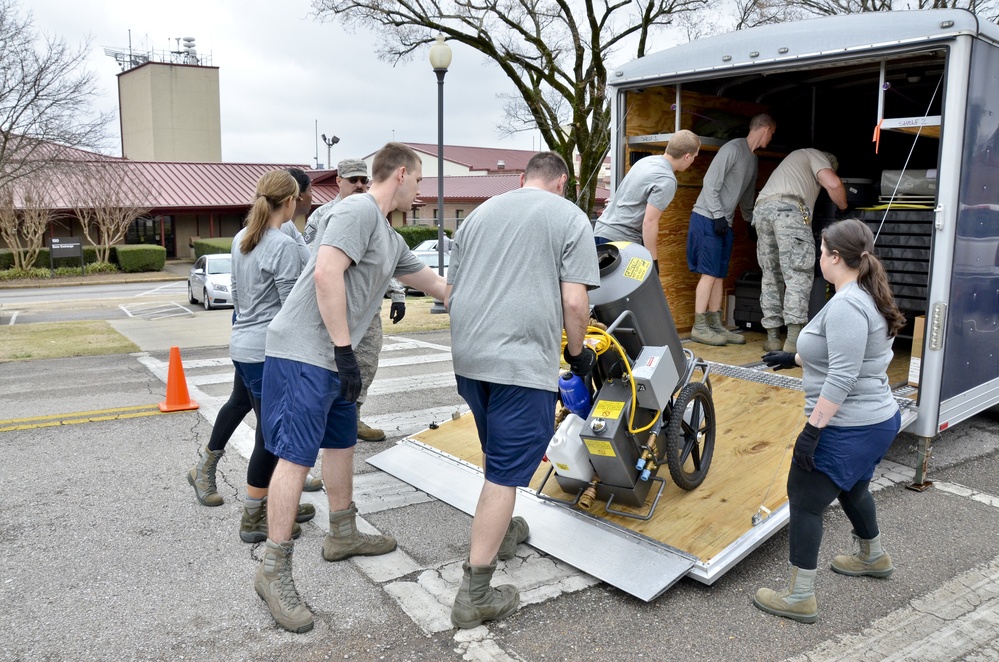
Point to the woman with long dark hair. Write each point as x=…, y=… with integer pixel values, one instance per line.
x=844, y=352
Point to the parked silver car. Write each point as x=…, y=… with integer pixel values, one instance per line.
x=210, y=281
x=430, y=259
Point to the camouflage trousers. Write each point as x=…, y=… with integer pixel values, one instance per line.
x=786, y=253
x=367, y=356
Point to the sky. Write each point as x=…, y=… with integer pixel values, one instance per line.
x=282, y=74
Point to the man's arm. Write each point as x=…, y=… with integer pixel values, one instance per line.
x=426, y=280
x=833, y=186
x=331, y=292
x=575, y=315
x=650, y=230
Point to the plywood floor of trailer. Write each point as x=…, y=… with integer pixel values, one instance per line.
x=756, y=421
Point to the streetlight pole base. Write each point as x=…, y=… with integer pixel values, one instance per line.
x=438, y=308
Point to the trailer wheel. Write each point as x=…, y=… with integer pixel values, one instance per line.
x=690, y=436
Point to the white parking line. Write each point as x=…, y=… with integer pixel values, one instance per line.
x=156, y=311
x=169, y=288
x=13, y=316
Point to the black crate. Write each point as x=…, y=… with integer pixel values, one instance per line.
x=748, y=314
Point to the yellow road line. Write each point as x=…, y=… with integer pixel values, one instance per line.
x=81, y=417
x=79, y=414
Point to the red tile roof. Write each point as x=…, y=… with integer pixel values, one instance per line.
x=480, y=158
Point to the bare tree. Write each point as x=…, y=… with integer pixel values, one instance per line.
x=25, y=217
x=107, y=196
x=759, y=12
x=553, y=51
x=46, y=96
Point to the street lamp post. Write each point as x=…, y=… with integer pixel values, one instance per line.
x=440, y=58
x=329, y=142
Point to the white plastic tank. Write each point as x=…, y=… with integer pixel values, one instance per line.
x=567, y=452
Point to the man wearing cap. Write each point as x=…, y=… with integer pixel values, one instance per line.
x=786, y=247
x=351, y=178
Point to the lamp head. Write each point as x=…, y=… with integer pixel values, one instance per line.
x=440, y=54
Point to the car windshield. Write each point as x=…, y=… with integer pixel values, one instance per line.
x=220, y=265
x=430, y=259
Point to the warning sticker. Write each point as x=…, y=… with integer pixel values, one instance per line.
x=637, y=268
x=562, y=467
x=599, y=447
x=607, y=409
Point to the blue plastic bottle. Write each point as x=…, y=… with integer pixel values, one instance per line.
x=575, y=394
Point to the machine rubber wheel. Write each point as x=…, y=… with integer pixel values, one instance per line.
x=208, y=302
x=690, y=436
x=190, y=294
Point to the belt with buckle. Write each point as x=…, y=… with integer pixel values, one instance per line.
x=794, y=201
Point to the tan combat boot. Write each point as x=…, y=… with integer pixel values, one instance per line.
x=367, y=433
x=796, y=602
x=871, y=560
x=344, y=540
x=714, y=323
x=703, y=333
x=202, y=478
x=516, y=533
x=276, y=586
x=791, y=344
x=772, y=343
x=477, y=601
x=253, y=524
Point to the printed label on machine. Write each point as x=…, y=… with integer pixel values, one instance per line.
x=607, y=409
x=637, y=268
x=599, y=447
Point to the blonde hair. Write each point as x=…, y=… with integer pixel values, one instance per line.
x=683, y=142
x=274, y=188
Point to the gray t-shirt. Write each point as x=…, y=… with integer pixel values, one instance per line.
x=261, y=282
x=845, y=351
x=649, y=182
x=315, y=226
x=358, y=228
x=508, y=260
x=289, y=228
x=729, y=182
x=798, y=174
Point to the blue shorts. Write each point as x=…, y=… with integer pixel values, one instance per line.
x=515, y=425
x=849, y=455
x=302, y=411
x=252, y=375
x=708, y=252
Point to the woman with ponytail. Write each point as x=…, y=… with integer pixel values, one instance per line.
x=266, y=262
x=844, y=352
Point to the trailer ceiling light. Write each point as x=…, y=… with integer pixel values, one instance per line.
x=782, y=50
x=754, y=54
x=726, y=58
x=937, y=320
x=947, y=24
x=618, y=73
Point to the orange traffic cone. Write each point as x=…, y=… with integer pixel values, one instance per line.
x=177, y=398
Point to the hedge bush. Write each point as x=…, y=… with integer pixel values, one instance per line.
x=42, y=261
x=414, y=234
x=141, y=257
x=212, y=246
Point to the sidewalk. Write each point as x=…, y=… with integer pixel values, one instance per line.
x=174, y=269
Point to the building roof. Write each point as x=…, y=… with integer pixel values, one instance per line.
x=472, y=188
x=480, y=158
x=186, y=185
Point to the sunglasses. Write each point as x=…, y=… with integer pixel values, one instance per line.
x=357, y=180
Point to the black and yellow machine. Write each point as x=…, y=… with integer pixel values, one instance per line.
x=642, y=407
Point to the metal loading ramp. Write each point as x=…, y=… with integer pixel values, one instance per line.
x=701, y=533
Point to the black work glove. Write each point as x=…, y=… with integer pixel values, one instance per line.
x=397, y=312
x=753, y=237
x=583, y=363
x=721, y=226
x=349, y=372
x=804, y=447
x=844, y=213
x=779, y=360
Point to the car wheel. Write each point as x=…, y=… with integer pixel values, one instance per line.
x=208, y=302
x=190, y=294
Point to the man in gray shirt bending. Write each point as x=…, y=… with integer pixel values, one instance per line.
x=352, y=178
x=311, y=377
x=644, y=193
x=729, y=182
